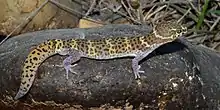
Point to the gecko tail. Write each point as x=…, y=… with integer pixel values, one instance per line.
x=33, y=61
x=20, y=94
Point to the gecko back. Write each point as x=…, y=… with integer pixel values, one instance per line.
x=33, y=61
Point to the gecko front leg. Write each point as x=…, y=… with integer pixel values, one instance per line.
x=140, y=56
x=73, y=57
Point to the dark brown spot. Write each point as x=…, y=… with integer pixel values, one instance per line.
x=129, y=48
x=29, y=79
x=69, y=40
x=95, y=51
x=55, y=41
x=111, y=51
x=92, y=44
x=31, y=75
x=39, y=50
x=82, y=45
x=26, y=75
x=31, y=61
x=26, y=61
x=33, y=52
x=27, y=67
x=99, y=47
x=38, y=53
x=44, y=49
x=106, y=49
x=133, y=48
x=35, y=58
x=58, y=47
x=31, y=70
x=49, y=43
x=119, y=46
x=24, y=82
x=152, y=40
x=28, y=85
x=22, y=76
x=25, y=89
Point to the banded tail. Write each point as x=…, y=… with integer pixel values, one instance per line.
x=33, y=61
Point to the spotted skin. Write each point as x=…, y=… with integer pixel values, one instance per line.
x=107, y=48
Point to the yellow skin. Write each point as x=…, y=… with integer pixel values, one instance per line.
x=107, y=48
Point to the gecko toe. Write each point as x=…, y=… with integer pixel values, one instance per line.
x=140, y=71
x=69, y=68
x=137, y=76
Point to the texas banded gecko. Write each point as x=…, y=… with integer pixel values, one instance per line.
x=106, y=48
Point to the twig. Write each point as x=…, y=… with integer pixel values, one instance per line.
x=212, y=27
x=156, y=11
x=140, y=12
x=128, y=11
x=65, y=8
x=193, y=7
x=195, y=36
x=132, y=10
x=215, y=23
x=216, y=45
x=184, y=15
x=26, y=21
x=165, y=3
x=183, y=11
x=120, y=13
x=147, y=16
x=91, y=8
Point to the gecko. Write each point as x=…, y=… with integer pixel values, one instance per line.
x=137, y=47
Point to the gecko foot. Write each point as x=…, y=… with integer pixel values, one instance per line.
x=137, y=71
x=69, y=68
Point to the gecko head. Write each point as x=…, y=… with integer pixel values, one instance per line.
x=169, y=30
